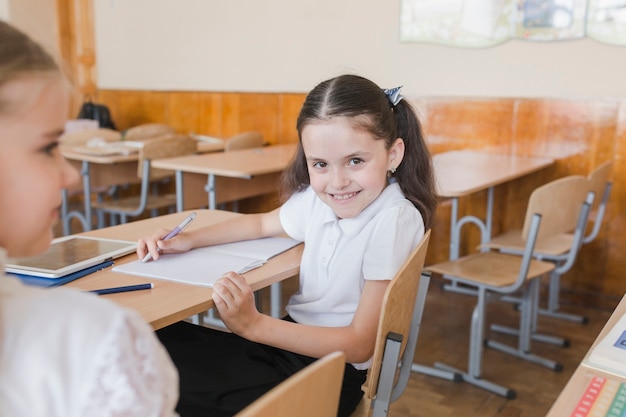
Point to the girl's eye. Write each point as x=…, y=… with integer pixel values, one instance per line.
x=319, y=165
x=355, y=161
x=50, y=148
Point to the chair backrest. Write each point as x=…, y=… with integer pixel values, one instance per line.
x=313, y=391
x=244, y=140
x=600, y=185
x=598, y=179
x=164, y=146
x=81, y=137
x=399, y=313
x=559, y=203
x=147, y=131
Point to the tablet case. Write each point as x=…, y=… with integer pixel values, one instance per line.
x=54, y=282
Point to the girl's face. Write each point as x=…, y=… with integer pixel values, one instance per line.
x=32, y=170
x=347, y=165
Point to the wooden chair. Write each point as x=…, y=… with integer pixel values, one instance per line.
x=556, y=250
x=398, y=328
x=166, y=146
x=600, y=185
x=147, y=131
x=312, y=392
x=244, y=140
x=556, y=206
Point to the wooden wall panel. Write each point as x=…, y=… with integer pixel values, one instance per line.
x=468, y=124
x=578, y=134
x=289, y=108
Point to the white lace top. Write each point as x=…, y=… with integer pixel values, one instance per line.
x=64, y=353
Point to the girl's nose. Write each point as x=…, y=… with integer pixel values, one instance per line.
x=70, y=175
x=339, y=179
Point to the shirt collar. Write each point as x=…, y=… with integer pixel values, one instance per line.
x=352, y=226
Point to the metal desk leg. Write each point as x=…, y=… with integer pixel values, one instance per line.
x=457, y=224
x=180, y=192
x=210, y=189
x=85, y=218
x=275, y=295
x=87, y=188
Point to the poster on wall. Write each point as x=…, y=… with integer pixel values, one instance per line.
x=550, y=20
x=484, y=23
x=606, y=21
x=464, y=23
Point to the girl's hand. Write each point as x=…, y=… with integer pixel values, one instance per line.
x=155, y=245
x=234, y=300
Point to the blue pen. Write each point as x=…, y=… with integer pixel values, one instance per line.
x=174, y=232
x=123, y=289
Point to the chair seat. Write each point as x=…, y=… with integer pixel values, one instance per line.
x=130, y=204
x=489, y=268
x=553, y=245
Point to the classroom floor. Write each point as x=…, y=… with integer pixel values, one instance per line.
x=444, y=338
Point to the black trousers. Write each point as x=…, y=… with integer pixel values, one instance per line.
x=221, y=373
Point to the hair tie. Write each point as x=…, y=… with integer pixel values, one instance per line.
x=393, y=95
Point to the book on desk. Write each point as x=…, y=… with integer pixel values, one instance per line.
x=203, y=266
x=605, y=396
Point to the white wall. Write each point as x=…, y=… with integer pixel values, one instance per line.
x=289, y=46
x=4, y=10
x=35, y=17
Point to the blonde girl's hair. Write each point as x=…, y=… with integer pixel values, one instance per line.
x=21, y=56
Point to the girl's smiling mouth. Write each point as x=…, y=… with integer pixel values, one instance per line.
x=341, y=197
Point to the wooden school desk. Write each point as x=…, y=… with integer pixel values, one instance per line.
x=171, y=301
x=227, y=176
x=567, y=401
x=104, y=169
x=462, y=173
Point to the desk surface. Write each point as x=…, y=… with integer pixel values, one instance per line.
x=567, y=400
x=244, y=163
x=169, y=302
x=460, y=173
x=74, y=153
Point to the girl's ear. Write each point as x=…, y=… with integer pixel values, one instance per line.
x=396, y=154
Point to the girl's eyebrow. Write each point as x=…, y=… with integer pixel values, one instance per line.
x=53, y=135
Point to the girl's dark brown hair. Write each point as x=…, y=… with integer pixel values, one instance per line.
x=364, y=101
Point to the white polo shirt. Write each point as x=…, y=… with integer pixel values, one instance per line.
x=340, y=254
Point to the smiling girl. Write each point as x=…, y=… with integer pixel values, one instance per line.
x=359, y=193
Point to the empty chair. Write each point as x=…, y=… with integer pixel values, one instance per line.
x=556, y=249
x=600, y=184
x=244, y=140
x=559, y=206
x=166, y=146
x=147, y=131
x=398, y=328
x=313, y=392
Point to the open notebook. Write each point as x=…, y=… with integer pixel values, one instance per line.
x=204, y=266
